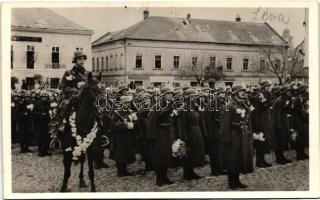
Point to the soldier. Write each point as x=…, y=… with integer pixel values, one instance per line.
x=15, y=101
x=237, y=137
x=70, y=84
x=24, y=114
x=41, y=113
x=123, y=125
x=300, y=121
x=262, y=123
x=217, y=107
x=281, y=113
x=162, y=133
x=193, y=136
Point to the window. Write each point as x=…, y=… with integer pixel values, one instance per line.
x=213, y=61
x=262, y=64
x=79, y=49
x=54, y=82
x=245, y=64
x=277, y=64
x=176, y=84
x=194, y=84
x=176, y=62
x=93, y=67
x=194, y=62
x=55, y=57
x=229, y=64
x=138, y=83
x=107, y=63
x=102, y=64
x=98, y=65
x=11, y=57
x=111, y=62
x=115, y=62
x=30, y=57
x=138, y=61
x=157, y=63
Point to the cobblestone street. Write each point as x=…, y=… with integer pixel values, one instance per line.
x=31, y=173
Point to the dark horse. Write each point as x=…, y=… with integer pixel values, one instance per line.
x=86, y=117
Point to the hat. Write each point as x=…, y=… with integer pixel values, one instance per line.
x=139, y=89
x=276, y=90
x=190, y=92
x=302, y=88
x=185, y=87
x=78, y=54
x=202, y=94
x=125, y=99
x=166, y=90
x=265, y=83
x=44, y=94
x=220, y=90
x=284, y=89
x=121, y=88
x=155, y=91
x=237, y=88
x=178, y=91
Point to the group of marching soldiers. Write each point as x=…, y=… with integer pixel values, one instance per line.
x=229, y=125
x=31, y=112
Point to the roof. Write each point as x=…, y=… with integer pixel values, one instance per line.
x=44, y=20
x=199, y=30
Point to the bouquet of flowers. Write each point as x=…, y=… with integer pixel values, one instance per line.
x=293, y=135
x=242, y=112
x=258, y=136
x=179, y=149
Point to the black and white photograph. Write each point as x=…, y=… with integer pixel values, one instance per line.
x=123, y=97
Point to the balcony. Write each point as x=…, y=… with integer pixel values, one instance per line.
x=55, y=66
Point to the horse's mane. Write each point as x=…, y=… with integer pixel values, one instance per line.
x=86, y=109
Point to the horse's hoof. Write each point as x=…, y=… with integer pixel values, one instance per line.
x=93, y=189
x=83, y=184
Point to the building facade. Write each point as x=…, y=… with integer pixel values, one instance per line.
x=43, y=42
x=175, y=51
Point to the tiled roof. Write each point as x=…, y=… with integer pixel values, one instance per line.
x=43, y=19
x=198, y=30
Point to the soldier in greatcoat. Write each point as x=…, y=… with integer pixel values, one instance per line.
x=15, y=101
x=217, y=108
x=123, y=130
x=41, y=116
x=237, y=137
x=162, y=133
x=24, y=115
x=300, y=121
x=282, y=118
x=262, y=123
x=193, y=136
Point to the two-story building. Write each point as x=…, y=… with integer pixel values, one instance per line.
x=161, y=50
x=43, y=42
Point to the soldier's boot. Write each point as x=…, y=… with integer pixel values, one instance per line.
x=280, y=159
x=237, y=181
x=187, y=173
x=194, y=175
x=261, y=162
x=45, y=152
x=301, y=155
x=165, y=178
x=23, y=148
x=159, y=177
x=231, y=181
x=41, y=152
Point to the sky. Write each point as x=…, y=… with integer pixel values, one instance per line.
x=103, y=19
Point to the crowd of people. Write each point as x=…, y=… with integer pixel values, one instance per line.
x=179, y=127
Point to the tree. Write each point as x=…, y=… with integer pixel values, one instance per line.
x=201, y=71
x=276, y=60
x=38, y=78
x=295, y=61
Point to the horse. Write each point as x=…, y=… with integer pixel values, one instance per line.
x=86, y=117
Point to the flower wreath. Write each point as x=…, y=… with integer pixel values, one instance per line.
x=82, y=143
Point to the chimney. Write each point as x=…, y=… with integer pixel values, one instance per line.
x=238, y=19
x=188, y=17
x=145, y=14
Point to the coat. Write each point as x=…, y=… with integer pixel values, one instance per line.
x=41, y=120
x=123, y=138
x=162, y=133
x=282, y=117
x=25, y=121
x=262, y=122
x=193, y=135
x=237, y=137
